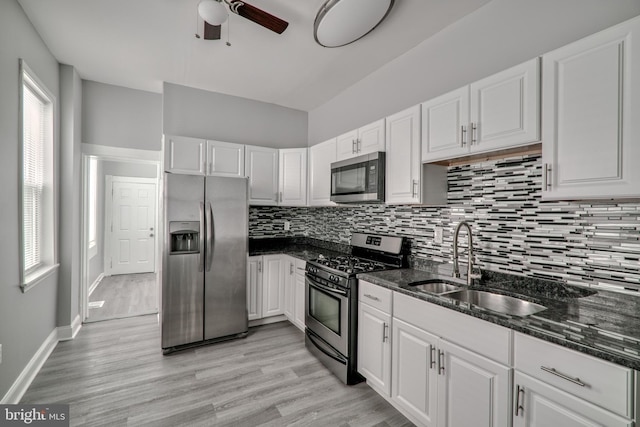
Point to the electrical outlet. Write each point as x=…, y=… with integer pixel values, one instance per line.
x=438, y=234
x=287, y=225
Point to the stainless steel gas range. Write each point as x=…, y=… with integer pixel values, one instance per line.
x=331, y=299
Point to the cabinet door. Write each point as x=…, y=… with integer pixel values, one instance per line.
x=289, y=287
x=537, y=404
x=473, y=390
x=414, y=373
x=403, y=157
x=225, y=159
x=445, y=122
x=374, y=347
x=184, y=155
x=293, y=177
x=320, y=158
x=371, y=138
x=299, y=303
x=505, y=108
x=254, y=287
x=347, y=145
x=261, y=166
x=591, y=99
x=273, y=285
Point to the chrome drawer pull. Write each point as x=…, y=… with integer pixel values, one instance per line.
x=519, y=406
x=432, y=356
x=563, y=376
x=372, y=297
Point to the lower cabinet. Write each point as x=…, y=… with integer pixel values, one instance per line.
x=265, y=286
x=294, y=291
x=540, y=405
x=374, y=347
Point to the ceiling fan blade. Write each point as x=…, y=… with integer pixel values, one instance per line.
x=258, y=16
x=212, y=32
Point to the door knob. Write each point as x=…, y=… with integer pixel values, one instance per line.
x=150, y=234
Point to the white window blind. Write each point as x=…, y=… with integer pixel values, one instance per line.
x=35, y=110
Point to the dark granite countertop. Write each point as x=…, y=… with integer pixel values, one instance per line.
x=602, y=324
x=300, y=247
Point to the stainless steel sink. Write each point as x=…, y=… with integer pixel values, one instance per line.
x=434, y=286
x=496, y=302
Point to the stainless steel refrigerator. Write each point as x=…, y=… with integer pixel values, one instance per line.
x=204, y=286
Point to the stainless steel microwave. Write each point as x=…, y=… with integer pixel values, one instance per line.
x=359, y=179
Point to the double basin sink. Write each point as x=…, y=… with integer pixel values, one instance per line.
x=489, y=300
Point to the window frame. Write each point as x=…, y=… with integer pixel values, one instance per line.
x=48, y=242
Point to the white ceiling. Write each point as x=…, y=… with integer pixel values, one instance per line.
x=141, y=43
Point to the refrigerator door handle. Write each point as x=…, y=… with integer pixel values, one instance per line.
x=201, y=249
x=210, y=235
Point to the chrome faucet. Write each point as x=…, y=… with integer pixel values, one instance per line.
x=456, y=268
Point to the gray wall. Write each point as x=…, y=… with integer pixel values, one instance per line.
x=201, y=114
x=70, y=197
x=501, y=34
x=25, y=319
x=113, y=168
x=121, y=117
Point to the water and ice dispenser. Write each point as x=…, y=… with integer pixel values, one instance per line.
x=184, y=237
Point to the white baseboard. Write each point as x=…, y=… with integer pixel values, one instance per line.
x=95, y=283
x=66, y=333
x=267, y=320
x=22, y=383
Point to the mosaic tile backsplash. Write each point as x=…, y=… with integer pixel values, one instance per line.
x=514, y=231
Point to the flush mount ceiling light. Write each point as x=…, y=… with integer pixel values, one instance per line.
x=340, y=22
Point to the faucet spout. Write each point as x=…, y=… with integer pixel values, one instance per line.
x=456, y=268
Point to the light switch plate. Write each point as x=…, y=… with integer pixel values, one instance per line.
x=438, y=234
x=287, y=226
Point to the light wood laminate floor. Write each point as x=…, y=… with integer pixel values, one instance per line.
x=124, y=295
x=114, y=374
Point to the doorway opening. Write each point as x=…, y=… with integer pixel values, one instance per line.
x=120, y=238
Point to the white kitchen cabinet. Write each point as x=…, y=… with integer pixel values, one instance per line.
x=293, y=177
x=374, y=336
x=320, y=158
x=289, y=289
x=537, y=404
x=472, y=390
x=403, y=167
x=365, y=140
x=591, y=131
x=498, y=112
x=299, y=287
x=261, y=167
x=184, y=155
x=225, y=159
x=273, y=282
x=414, y=374
x=254, y=287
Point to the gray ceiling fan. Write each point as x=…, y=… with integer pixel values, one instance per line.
x=214, y=13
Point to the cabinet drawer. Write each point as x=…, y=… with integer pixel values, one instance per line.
x=374, y=295
x=595, y=380
x=482, y=337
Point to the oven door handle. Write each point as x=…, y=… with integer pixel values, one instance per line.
x=327, y=350
x=322, y=287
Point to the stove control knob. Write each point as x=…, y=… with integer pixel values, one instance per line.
x=334, y=278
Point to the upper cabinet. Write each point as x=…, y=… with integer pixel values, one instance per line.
x=184, y=155
x=293, y=177
x=591, y=100
x=320, y=158
x=261, y=166
x=402, y=176
x=500, y=111
x=225, y=159
x=365, y=140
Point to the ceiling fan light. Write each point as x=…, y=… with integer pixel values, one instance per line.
x=212, y=11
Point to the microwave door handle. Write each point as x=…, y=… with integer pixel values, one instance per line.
x=202, y=231
x=210, y=235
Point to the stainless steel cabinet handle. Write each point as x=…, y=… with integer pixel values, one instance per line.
x=474, y=128
x=280, y=195
x=291, y=268
x=372, y=297
x=563, y=376
x=354, y=148
x=519, y=406
x=463, y=136
x=440, y=362
x=150, y=234
x=385, y=332
x=259, y=266
x=414, y=191
x=358, y=145
x=546, y=177
x=432, y=356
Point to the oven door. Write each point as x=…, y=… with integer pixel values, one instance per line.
x=327, y=313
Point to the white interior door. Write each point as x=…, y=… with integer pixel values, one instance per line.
x=133, y=226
